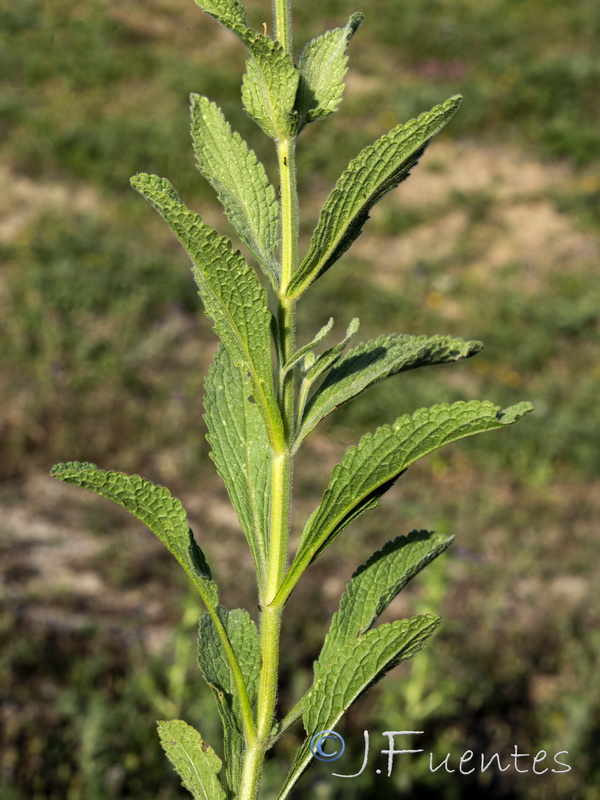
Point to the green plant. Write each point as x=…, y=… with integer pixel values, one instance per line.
x=264, y=396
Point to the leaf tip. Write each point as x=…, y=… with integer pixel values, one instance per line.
x=355, y=21
x=353, y=327
x=70, y=466
x=474, y=347
x=513, y=413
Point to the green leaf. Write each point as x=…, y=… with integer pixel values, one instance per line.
x=228, y=12
x=243, y=637
x=240, y=182
x=195, y=762
x=153, y=505
x=369, y=469
x=327, y=359
x=375, y=171
x=375, y=584
x=269, y=87
x=350, y=671
x=358, y=664
x=271, y=79
x=300, y=354
x=368, y=593
x=313, y=367
x=373, y=361
x=241, y=452
x=230, y=290
x=322, y=66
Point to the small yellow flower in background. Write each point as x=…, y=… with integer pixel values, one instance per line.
x=434, y=300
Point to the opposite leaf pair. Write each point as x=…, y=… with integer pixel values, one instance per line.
x=280, y=97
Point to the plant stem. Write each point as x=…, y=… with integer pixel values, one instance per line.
x=286, y=151
x=281, y=462
x=282, y=16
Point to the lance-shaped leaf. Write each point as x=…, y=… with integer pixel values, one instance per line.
x=368, y=593
x=271, y=79
x=195, y=762
x=377, y=169
x=230, y=290
x=327, y=359
x=240, y=449
x=243, y=637
x=322, y=65
x=153, y=505
x=350, y=671
x=300, y=354
x=269, y=87
x=373, y=361
x=313, y=366
x=375, y=584
x=369, y=469
x=240, y=182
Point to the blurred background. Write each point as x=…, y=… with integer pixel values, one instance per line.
x=496, y=236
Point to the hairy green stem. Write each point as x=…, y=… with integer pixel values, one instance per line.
x=290, y=718
x=286, y=151
x=281, y=464
x=282, y=16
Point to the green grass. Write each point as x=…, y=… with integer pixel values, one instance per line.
x=86, y=286
x=83, y=711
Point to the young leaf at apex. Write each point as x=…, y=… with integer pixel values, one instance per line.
x=322, y=66
x=271, y=81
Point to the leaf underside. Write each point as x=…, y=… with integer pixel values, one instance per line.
x=349, y=672
x=240, y=449
x=195, y=762
x=153, y=505
x=375, y=171
x=240, y=182
x=230, y=290
x=373, y=361
x=243, y=637
x=322, y=65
